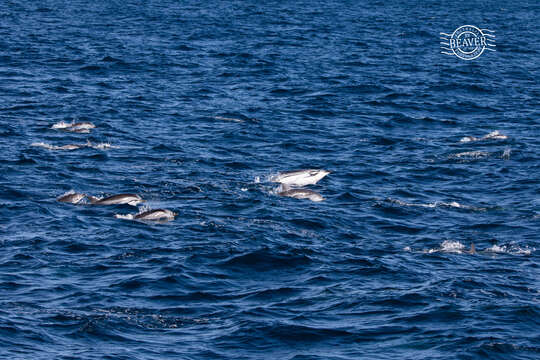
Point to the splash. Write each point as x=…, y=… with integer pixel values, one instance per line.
x=102, y=146
x=456, y=247
x=448, y=246
x=61, y=125
x=512, y=250
x=141, y=210
x=124, y=216
x=471, y=154
x=494, y=135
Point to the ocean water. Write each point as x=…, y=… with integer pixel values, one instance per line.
x=196, y=106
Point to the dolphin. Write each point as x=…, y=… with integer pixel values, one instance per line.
x=73, y=198
x=300, y=177
x=70, y=147
x=156, y=215
x=82, y=127
x=302, y=194
x=150, y=215
x=120, y=199
x=495, y=135
x=55, y=147
x=74, y=127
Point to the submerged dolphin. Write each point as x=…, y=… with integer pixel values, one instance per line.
x=73, y=198
x=120, y=199
x=302, y=194
x=300, y=177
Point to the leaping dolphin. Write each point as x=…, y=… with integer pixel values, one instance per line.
x=302, y=194
x=300, y=177
x=120, y=199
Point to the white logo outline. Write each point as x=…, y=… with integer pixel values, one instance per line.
x=467, y=37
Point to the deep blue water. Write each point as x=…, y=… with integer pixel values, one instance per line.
x=379, y=270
